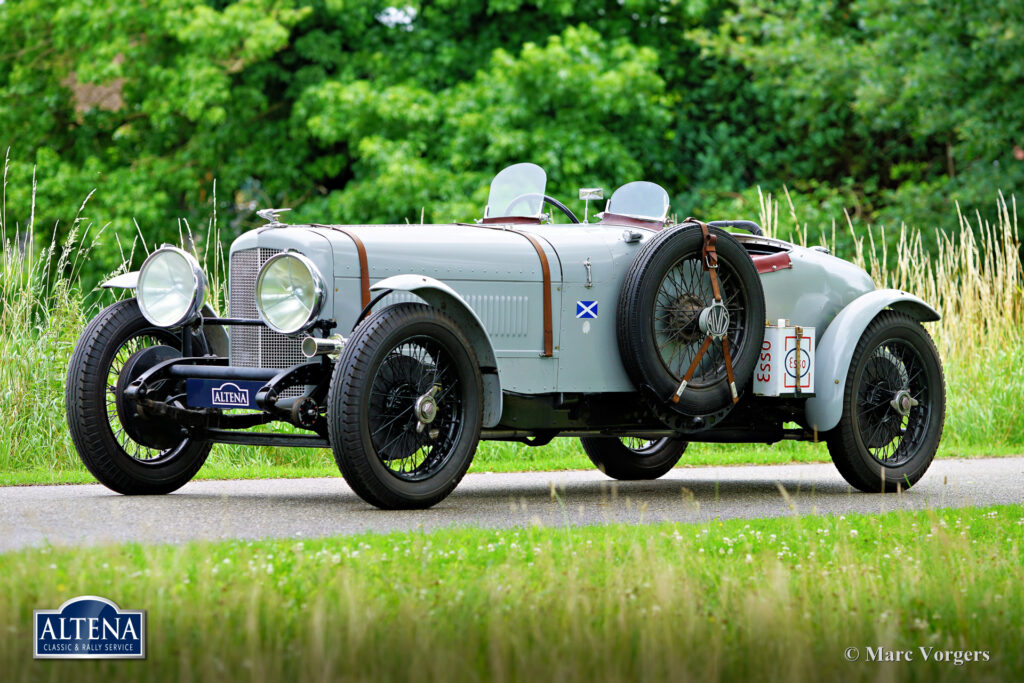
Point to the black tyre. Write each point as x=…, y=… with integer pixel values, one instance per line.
x=633, y=458
x=665, y=291
x=117, y=460
x=405, y=407
x=894, y=406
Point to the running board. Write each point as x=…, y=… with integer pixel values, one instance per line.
x=263, y=439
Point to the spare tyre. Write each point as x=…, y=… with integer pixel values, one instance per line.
x=661, y=329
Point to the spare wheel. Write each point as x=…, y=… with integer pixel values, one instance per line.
x=668, y=310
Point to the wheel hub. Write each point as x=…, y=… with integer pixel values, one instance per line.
x=425, y=408
x=685, y=311
x=714, y=320
x=151, y=433
x=903, y=402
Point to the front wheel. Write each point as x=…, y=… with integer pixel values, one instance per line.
x=124, y=454
x=405, y=407
x=894, y=405
x=633, y=458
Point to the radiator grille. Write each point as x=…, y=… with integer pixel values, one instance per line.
x=255, y=346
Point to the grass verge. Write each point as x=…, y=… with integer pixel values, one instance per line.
x=735, y=600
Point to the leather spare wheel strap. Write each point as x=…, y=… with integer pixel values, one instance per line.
x=545, y=268
x=364, y=269
x=709, y=259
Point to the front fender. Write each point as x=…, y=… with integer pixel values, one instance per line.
x=836, y=346
x=444, y=298
x=216, y=335
x=123, y=281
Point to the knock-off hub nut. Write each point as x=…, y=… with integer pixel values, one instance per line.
x=903, y=402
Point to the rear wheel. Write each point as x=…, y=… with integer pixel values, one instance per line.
x=405, y=407
x=102, y=430
x=893, y=407
x=630, y=458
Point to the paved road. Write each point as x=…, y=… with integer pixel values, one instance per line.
x=92, y=515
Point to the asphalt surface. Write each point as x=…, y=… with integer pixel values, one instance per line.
x=292, y=508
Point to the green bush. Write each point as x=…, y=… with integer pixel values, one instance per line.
x=354, y=111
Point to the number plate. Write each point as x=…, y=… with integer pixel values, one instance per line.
x=222, y=393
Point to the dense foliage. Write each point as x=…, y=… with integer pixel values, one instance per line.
x=355, y=110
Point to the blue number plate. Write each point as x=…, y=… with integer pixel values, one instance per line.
x=222, y=393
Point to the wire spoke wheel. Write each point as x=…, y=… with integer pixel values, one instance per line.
x=97, y=409
x=894, y=372
x=408, y=447
x=640, y=445
x=666, y=312
x=683, y=294
x=405, y=407
x=893, y=406
x=632, y=457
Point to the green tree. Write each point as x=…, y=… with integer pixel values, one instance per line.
x=360, y=110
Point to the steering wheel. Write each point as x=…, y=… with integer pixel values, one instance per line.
x=750, y=226
x=547, y=200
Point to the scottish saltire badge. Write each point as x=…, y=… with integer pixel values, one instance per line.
x=586, y=309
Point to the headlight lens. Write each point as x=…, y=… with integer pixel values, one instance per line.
x=171, y=287
x=289, y=292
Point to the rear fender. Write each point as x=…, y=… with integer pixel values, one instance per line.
x=444, y=298
x=836, y=346
x=216, y=335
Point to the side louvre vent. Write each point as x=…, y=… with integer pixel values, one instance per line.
x=502, y=315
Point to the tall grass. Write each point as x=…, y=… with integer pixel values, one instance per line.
x=973, y=275
x=41, y=314
x=974, y=279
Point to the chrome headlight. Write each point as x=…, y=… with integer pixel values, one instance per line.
x=289, y=292
x=171, y=287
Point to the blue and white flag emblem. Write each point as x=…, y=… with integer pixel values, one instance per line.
x=586, y=309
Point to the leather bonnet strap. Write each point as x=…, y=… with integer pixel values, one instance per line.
x=546, y=274
x=545, y=269
x=364, y=269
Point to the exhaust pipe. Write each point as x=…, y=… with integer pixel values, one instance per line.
x=331, y=346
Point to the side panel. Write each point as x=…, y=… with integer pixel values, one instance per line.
x=590, y=360
x=835, y=349
x=814, y=290
x=508, y=301
x=512, y=315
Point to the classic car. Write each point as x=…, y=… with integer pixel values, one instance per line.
x=400, y=347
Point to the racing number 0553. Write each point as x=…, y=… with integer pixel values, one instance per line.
x=764, y=369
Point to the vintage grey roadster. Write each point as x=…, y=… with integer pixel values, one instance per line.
x=400, y=347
